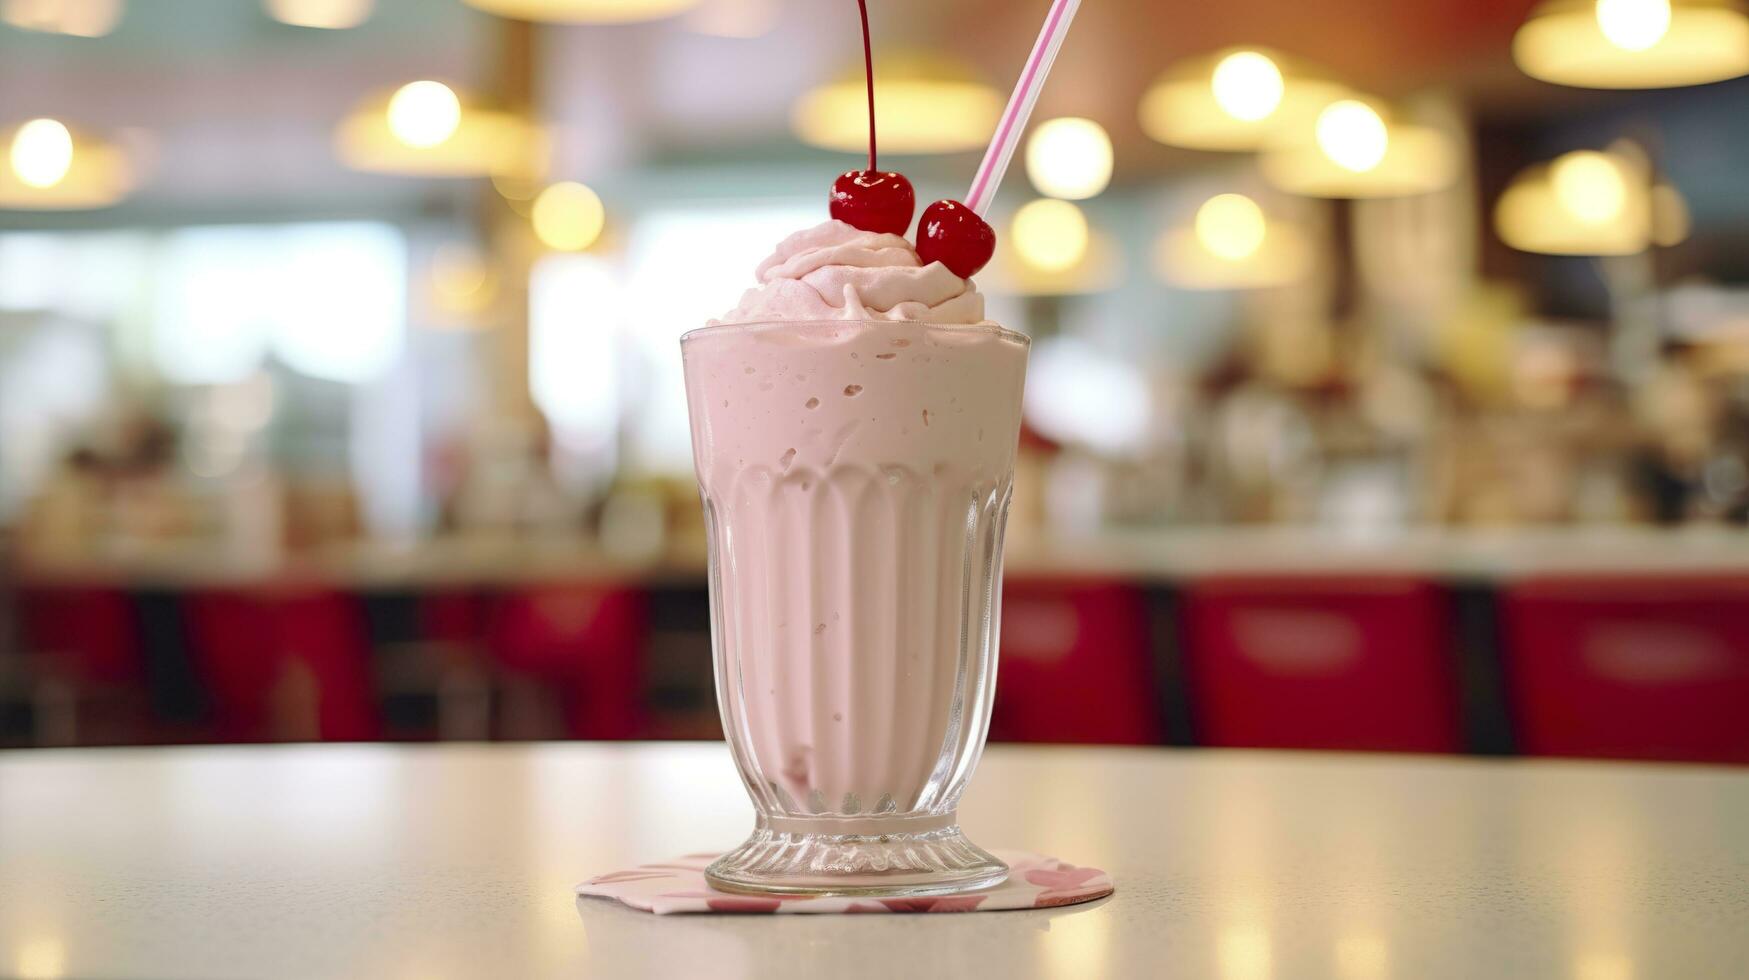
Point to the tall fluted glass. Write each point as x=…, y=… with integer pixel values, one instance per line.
x=855, y=477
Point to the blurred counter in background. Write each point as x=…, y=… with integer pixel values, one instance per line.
x=1618, y=642
x=1136, y=556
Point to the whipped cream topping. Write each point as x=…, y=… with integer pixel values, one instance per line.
x=834, y=271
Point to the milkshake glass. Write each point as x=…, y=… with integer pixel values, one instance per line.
x=856, y=475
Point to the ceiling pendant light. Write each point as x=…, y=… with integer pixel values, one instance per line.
x=1351, y=149
x=1235, y=99
x=1589, y=202
x=426, y=128
x=1232, y=244
x=1052, y=250
x=584, y=11
x=49, y=167
x=923, y=104
x=1634, y=43
x=79, y=18
x=327, y=15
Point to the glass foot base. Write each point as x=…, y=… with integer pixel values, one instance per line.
x=796, y=860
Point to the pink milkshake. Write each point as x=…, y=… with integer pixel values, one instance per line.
x=854, y=426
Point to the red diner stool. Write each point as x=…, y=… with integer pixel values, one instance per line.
x=87, y=634
x=88, y=664
x=585, y=642
x=452, y=616
x=283, y=664
x=1075, y=666
x=1322, y=663
x=234, y=644
x=325, y=634
x=1630, y=667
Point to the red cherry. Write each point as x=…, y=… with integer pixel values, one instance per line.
x=874, y=201
x=954, y=235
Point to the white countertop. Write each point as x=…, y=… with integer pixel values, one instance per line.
x=1139, y=555
x=457, y=861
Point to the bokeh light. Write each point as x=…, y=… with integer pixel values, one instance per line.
x=1050, y=234
x=1588, y=203
x=1353, y=135
x=1231, y=226
x=42, y=152
x=585, y=11
x=1590, y=185
x=77, y=18
x=1633, y=43
x=1235, y=99
x=424, y=113
x=330, y=15
x=1633, y=25
x=924, y=103
x=1069, y=158
x=1248, y=85
x=568, y=217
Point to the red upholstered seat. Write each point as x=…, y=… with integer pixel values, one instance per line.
x=588, y=641
x=1630, y=667
x=88, y=634
x=1322, y=663
x=283, y=663
x=1076, y=665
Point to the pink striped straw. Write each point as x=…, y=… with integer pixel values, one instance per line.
x=1013, y=123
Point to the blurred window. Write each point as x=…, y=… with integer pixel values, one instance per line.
x=329, y=300
x=94, y=277
x=574, y=319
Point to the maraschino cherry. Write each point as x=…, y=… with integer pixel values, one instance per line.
x=874, y=201
x=871, y=199
x=954, y=235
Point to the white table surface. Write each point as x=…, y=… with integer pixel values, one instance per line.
x=457, y=861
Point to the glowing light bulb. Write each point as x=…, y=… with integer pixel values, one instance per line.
x=1050, y=235
x=1069, y=158
x=1231, y=226
x=568, y=217
x=424, y=114
x=42, y=153
x=1247, y=85
x=1353, y=135
x=1590, y=186
x=1633, y=25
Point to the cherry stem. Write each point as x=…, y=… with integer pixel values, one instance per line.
x=868, y=75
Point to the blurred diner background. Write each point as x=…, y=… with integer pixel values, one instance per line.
x=1389, y=388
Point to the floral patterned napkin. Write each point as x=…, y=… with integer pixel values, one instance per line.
x=1034, y=882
